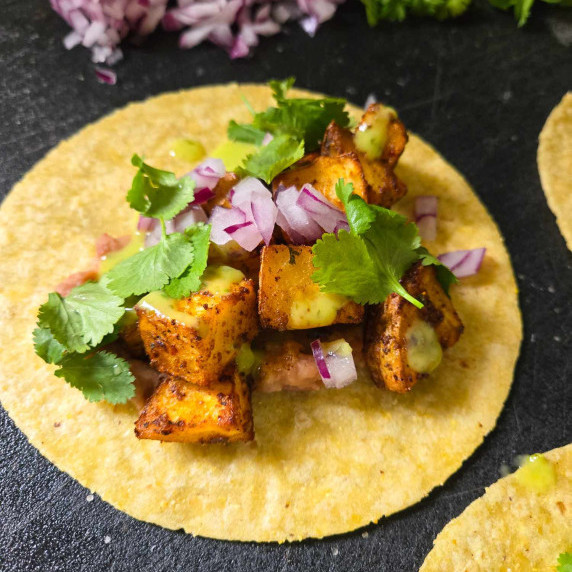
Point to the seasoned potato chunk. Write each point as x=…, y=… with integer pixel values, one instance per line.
x=403, y=343
x=196, y=337
x=383, y=186
x=323, y=174
x=288, y=299
x=181, y=411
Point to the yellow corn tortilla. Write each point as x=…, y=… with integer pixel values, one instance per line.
x=555, y=164
x=515, y=525
x=323, y=463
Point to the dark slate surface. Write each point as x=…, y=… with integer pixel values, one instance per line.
x=479, y=89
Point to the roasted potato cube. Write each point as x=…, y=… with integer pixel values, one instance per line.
x=394, y=137
x=221, y=191
x=196, y=337
x=383, y=187
x=288, y=299
x=231, y=254
x=404, y=343
x=182, y=411
x=323, y=174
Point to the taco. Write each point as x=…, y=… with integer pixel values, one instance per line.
x=555, y=164
x=312, y=463
x=522, y=522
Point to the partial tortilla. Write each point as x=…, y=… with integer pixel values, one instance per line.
x=555, y=164
x=511, y=527
x=324, y=462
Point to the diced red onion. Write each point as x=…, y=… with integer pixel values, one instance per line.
x=106, y=76
x=463, y=263
x=426, y=216
x=206, y=176
x=145, y=223
x=294, y=220
x=335, y=363
x=221, y=219
x=320, y=361
x=320, y=209
x=190, y=216
x=245, y=234
x=255, y=201
x=234, y=25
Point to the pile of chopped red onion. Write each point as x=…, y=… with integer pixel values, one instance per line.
x=234, y=25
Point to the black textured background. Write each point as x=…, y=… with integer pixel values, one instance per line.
x=478, y=88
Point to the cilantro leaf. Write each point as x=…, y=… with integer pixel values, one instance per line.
x=64, y=323
x=152, y=268
x=158, y=194
x=101, y=375
x=272, y=159
x=565, y=562
x=360, y=215
x=297, y=124
x=345, y=267
x=99, y=309
x=190, y=280
x=368, y=264
x=47, y=347
x=245, y=133
x=444, y=275
x=82, y=319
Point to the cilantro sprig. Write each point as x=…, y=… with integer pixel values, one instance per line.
x=367, y=263
x=74, y=331
x=297, y=125
x=158, y=194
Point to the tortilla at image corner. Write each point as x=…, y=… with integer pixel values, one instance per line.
x=323, y=463
x=555, y=164
x=512, y=526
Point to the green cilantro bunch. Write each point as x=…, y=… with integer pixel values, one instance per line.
x=72, y=332
x=296, y=124
x=367, y=263
x=398, y=10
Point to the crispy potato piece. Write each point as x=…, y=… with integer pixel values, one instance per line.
x=201, y=334
x=182, y=411
x=388, y=325
x=221, y=191
x=323, y=174
x=131, y=336
x=288, y=299
x=396, y=133
x=383, y=186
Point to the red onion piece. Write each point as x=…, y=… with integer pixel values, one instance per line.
x=255, y=201
x=463, y=263
x=145, y=223
x=426, y=216
x=190, y=216
x=105, y=75
x=320, y=361
x=320, y=209
x=294, y=220
x=221, y=219
x=245, y=235
x=335, y=363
